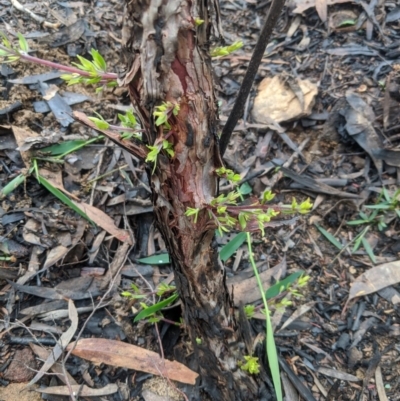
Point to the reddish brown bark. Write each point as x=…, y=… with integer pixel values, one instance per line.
x=168, y=60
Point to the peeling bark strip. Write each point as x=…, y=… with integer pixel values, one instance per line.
x=168, y=61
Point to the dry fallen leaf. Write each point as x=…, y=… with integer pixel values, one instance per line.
x=322, y=9
x=118, y=353
x=55, y=255
x=104, y=221
x=83, y=391
x=243, y=288
x=61, y=344
x=375, y=279
x=277, y=100
x=96, y=215
x=303, y=5
x=21, y=136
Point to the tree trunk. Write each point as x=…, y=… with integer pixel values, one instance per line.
x=168, y=60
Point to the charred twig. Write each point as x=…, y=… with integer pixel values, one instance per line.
x=238, y=108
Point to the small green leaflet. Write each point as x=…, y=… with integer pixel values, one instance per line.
x=155, y=308
x=329, y=237
x=245, y=188
x=63, y=147
x=162, y=259
x=282, y=285
x=232, y=246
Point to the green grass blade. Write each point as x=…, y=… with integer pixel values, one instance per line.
x=378, y=207
x=357, y=222
x=162, y=259
x=232, y=246
x=282, y=285
x=60, y=148
x=155, y=308
x=270, y=342
x=14, y=183
x=369, y=250
x=359, y=238
x=329, y=237
x=62, y=197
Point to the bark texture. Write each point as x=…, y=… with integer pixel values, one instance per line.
x=168, y=60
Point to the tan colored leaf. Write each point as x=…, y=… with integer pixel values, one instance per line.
x=299, y=312
x=55, y=255
x=246, y=290
x=375, y=279
x=96, y=215
x=61, y=344
x=380, y=386
x=322, y=9
x=337, y=374
x=21, y=136
x=42, y=353
x=303, y=5
x=83, y=391
x=104, y=221
x=117, y=353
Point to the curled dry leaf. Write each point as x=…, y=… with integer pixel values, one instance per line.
x=117, y=353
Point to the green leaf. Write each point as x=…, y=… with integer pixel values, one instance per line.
x=245, y=189
x=23, y=44
x=282, y=285
x=63, y=147
x=62, y=197
x=329, y=237
x=381, y=206
x=100, y=124
x=5, y=40
x=155, y=308
x=162, y=259
x=369, y=250
x=347, y=22
x=98, y=60
x=357, y=222
x=14, y=183
x=232, y=246
x=86, y=65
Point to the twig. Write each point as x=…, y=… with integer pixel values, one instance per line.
x=16, y=4
x=238, y=108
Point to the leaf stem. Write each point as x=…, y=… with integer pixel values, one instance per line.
x=270, y=341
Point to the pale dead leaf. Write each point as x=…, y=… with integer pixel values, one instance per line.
x=276, y=100
x=299, y=312
x=50, y=92
x=21, y=137
x=337, y=374
x=322, y=9
x=244, y=289
x=303, y=5
x=96, y=215
x=118, y=353
x=83, y=391
x=104, y=221
x=375, y=279
x=55, y=255
x=380, y=386
x=43, y=354
x=61, y=344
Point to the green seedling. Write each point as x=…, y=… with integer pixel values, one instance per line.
x=86, y=72
x=249, y=310
x=226, y=50
x=251, y=365
x=153, y=310
x=164, y=112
